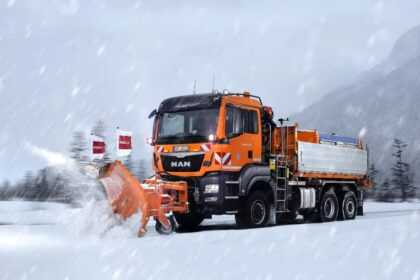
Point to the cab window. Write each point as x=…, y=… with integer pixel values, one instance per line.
x=240, y=121
x=250, y=120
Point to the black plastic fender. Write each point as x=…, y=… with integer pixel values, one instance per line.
x=252, y=174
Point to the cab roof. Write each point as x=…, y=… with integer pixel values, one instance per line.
x=188, y=102
x=197, y=101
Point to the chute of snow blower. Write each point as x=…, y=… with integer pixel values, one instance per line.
x=153, y=198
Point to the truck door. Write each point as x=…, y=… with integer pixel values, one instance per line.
x=242, y=130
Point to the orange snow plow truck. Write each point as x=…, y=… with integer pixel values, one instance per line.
x=232, y=157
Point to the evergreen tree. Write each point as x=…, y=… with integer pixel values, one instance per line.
x=385, y=192
x=400, y=170
x=42, y=186
x=99, y=129
x=408, y=181
x=6, y=185
x=78, y=148
x=28, y=190
x=58, y=190
x=5, y=189
x=373, y=173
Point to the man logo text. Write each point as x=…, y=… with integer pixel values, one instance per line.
x=180, y=164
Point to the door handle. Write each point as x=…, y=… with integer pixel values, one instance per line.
x=250, y=154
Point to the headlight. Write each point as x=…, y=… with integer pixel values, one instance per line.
x=211, y=188
x=211, y=199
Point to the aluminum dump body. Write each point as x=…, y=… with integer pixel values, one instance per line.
x=327, y=158
x=312, y=155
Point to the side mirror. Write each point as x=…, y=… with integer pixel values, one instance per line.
x=224, y=141
x=153, y=113
x=150, y=141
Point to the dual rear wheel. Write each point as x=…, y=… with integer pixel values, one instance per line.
x=348, y=206
x=342, y=207
x=255, y=211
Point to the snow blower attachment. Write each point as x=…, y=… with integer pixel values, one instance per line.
x=154, y=198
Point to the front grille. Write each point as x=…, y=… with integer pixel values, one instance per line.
x=187, y=163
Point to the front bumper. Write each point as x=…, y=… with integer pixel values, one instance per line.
x=225, y=201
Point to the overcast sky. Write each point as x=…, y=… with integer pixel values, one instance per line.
x=66, y=63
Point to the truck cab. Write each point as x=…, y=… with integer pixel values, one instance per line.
x=208, y=140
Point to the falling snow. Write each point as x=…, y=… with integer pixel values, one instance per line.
x=75, y=91
x=100, y=51
x=351, y=69
x=42, y=70
x=1, y=84
x=10, y=3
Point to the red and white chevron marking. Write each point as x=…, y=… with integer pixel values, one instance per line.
x=206, y=147
x=223, y=158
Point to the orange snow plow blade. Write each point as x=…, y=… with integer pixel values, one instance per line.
x=153, y=198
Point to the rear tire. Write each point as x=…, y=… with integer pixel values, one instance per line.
x=255, y=211
x=163, y=230
x=348, y=206
x=329, y=207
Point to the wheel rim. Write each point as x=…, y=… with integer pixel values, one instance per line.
x=350, y=208
x=164, y=229
x=167, y=229
x=258, y=212
x=329, y=208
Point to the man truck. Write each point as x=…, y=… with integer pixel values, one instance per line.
x=236, y=159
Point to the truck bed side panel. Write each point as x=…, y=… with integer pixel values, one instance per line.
x=324, y=158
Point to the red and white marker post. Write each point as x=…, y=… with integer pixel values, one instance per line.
x=98, y=147
x=124, y=143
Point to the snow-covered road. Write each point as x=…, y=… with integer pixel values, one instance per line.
x=55, y=241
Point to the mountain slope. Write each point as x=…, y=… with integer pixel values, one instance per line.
x=383, y=104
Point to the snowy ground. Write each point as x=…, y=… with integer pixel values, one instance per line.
x=55, y=241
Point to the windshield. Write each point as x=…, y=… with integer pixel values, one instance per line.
x=187, y=126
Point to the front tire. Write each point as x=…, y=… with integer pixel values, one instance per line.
x=329, y=207
x=255, y=211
